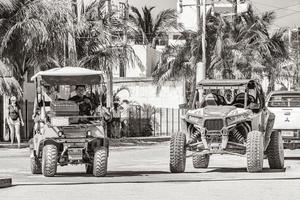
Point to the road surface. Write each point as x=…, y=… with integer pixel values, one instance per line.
x=142, y=172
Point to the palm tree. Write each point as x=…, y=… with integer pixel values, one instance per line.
x=8, y=84
x=97, y=46
x=33, y=33
x=243, y=49
x=145, y=29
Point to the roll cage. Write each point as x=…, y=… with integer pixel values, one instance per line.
x=247, y=93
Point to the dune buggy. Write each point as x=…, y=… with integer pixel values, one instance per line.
x=231, y=119
x=63, y=136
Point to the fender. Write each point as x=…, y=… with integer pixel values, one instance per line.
x=45, y=142
x=99, y=142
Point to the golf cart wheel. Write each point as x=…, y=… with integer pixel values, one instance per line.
x=200, y=160
x=255, y=151
x=88, y=169
x=177, y=153
x=275, y=151
x=35, y=164
x=100, y=162
x=49, y=160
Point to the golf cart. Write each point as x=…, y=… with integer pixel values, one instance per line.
x=62, y=134
x=231, y=119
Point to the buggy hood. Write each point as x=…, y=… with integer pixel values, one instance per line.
x=217, y=111
x=70, y=76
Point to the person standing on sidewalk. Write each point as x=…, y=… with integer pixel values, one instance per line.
x=14, y=120
x=116, y=120
x=125, y=114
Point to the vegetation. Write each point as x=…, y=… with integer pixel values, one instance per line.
x=32, y=33
x=146, y=29
x=242, y=49
x=40, y=34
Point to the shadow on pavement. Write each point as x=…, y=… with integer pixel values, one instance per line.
x=230, y=170
x=112, y=174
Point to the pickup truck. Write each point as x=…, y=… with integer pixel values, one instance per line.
x=286, y=107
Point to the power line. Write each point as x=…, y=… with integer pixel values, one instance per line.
x=280, y=8
x=288, y=15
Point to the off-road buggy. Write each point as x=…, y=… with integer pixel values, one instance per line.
x=231, y=119
x=62, y=136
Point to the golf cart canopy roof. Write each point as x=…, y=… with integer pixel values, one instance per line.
x=70, y=76
x=224, y=83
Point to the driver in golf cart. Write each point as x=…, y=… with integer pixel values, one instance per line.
x=84, y=102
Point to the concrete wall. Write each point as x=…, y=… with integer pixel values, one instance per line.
x=143, y=91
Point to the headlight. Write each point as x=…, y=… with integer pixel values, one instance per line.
x=89, y=133
x=60, y=133
x=196, y=119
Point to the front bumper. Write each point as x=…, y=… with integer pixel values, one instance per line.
x=291, y=143
x=291, y=138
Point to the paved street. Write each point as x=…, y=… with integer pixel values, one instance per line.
x=142, y=172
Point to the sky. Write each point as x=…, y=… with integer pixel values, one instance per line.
x=287, y=11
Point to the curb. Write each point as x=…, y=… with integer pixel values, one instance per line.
x=7, y=145
x=5, y=182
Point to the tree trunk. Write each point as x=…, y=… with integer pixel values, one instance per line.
x=271, y=84
x=153, y=45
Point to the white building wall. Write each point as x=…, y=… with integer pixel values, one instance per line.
x=148, y=57
x=143, y=91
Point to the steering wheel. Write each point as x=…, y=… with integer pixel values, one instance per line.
x=250, y=99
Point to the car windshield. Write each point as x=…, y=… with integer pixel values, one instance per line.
x=284, y=100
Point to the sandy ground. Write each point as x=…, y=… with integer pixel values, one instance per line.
x=142, y=172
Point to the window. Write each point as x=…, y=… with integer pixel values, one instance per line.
x=284, y=100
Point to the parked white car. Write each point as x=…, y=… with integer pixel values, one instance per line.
x=286, y=107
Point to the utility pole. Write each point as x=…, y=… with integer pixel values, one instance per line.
x=203, y=39
x=109, y=73
x=198, y=6
x=201, y=67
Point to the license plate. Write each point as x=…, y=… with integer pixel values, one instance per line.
x=287, y=133
x=75, y=153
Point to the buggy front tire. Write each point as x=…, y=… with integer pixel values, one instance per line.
x=177, y=153
x=255, y=151
x=100, y=162
x=49, y=160
x=200, y=160
x=275, y=151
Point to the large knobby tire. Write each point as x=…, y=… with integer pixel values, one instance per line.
x=100, y=162
x=35, y=164
x=88, y=169
x=177, y=153
x=255, y=151
x=49, y=160
x=275, y=151
x=200, y=160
